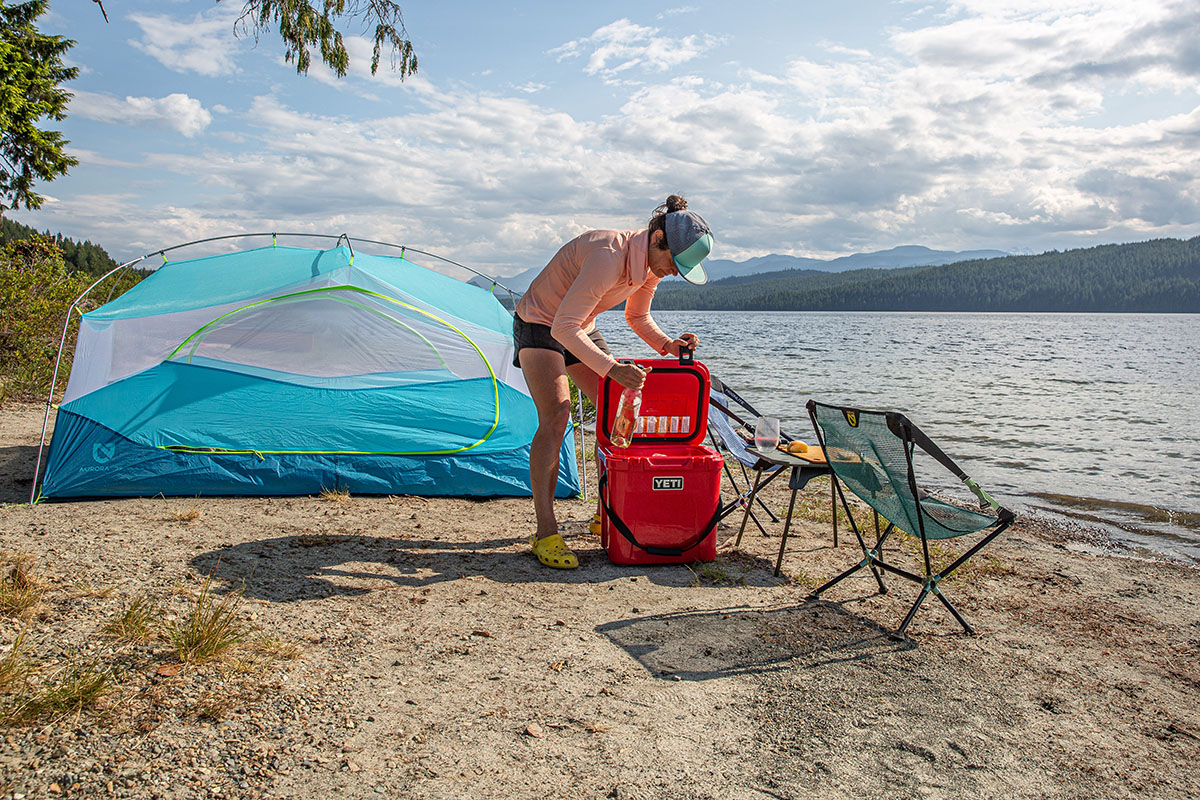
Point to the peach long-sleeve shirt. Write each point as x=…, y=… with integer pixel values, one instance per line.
x=592, y=273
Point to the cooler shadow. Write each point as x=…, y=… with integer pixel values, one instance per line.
x=305, y=567
x=703, y=645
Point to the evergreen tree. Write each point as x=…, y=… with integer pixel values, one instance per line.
x=31, y=71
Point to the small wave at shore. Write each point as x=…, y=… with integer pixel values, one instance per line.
x=1142, y=527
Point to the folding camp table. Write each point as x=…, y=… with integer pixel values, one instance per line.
x=802, y=471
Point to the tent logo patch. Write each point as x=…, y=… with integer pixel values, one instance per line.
x=102, y=452
x=668, y=484
x=851, y=417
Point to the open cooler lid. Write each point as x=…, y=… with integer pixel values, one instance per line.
x=674, y=403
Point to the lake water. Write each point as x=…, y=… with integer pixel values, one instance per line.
x=1090, y=416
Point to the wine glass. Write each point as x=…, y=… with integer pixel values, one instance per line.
x=766, y=434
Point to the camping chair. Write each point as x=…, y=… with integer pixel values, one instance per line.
x=799, y=470
x=871, y=454
x=724, y=437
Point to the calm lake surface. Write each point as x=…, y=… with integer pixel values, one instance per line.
x=1090, y=416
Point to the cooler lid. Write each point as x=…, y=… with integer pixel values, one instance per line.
x=674, y=403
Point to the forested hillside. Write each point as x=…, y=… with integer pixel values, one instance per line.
x=1156, y=276
x=79, y=256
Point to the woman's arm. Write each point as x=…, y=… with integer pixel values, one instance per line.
x=601, y=269
x=637, y=314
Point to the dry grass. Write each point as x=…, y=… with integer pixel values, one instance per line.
x=337, y=495
x=85, y=588
x=189, y=513
x=135, y=623
x=210, y=628
x=20, y=590
x=78, y=687
x=16, y=667
x=276, y=648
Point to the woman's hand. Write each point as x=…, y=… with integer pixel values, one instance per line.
x=631, y=376
x=688, y=340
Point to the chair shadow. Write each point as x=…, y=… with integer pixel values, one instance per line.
x=703, y=645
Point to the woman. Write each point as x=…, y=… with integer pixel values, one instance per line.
x=555, y=334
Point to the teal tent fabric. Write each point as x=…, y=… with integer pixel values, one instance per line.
x=284, y=370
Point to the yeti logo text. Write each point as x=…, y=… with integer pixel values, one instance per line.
x=102, y=452
x=672, y=484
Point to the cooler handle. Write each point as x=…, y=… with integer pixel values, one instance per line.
x=623, y=529
x=685, y=357
x=669, y=462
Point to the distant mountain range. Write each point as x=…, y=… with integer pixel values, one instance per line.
x=1158, y=276
x=907, y=256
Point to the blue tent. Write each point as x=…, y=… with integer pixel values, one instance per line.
x=284, y=370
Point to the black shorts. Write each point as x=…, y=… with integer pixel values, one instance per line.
x=531, y=334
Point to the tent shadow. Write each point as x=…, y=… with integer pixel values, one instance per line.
x=305, y=567
x=703, y=645
x=16, y=472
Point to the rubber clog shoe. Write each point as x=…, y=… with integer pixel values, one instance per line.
x=553, y=552
x=594, y=525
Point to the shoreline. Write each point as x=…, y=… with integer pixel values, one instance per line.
x=434, y=658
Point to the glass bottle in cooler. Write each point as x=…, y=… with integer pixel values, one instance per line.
x=627, y=416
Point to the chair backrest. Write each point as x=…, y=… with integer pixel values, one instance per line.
x=722, y=426
x=867, y=452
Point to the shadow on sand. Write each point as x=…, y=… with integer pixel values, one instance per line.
x=304, y=567
x=702, y=645
x=16, y=472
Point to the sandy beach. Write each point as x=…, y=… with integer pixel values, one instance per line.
x=413, y=647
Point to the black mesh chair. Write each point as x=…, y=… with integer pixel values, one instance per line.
x=870, y=455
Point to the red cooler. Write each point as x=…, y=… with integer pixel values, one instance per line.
x=660, y=497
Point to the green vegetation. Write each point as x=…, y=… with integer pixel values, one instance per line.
x=37, y=288
x=210, y=628
x=90, y=259
x=1156, y=276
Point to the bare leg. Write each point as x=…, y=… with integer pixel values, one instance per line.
x=546, y=377
x=589, y=383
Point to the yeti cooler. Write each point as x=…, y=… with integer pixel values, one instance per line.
x=661, y=496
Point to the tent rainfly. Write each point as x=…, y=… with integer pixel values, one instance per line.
x=286, y=371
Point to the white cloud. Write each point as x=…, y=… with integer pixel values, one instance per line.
x=623, y=45
x=205, y=45
x=178, y=112
x=992, y=126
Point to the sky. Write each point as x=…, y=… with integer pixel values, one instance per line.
x=801, y=128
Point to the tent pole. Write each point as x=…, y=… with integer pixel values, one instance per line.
x=37, y=466
x=582, y=448
x=62, y=343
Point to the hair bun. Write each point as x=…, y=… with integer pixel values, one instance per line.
x=675, y=203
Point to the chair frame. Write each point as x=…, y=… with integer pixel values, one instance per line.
x=873, y=557
x=743, y=498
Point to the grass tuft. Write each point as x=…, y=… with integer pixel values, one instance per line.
x=16, y=667
x=78, y=687
x=276, y=648
x=135, y=623
x=20, y=590
x=210, y=628
x=337, y=495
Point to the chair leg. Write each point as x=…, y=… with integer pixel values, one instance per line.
x=912, y=612
x=817, y=592
x=833, y=505
x=783, y=540
x=749, y=505
x=950, y=607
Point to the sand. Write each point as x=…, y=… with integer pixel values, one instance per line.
x=437, y=659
